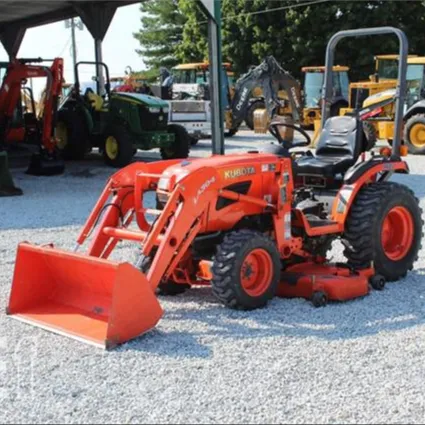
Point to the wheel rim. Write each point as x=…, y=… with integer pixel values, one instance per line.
x=61, y=135
x=256, y=272
x=397, y=233
x=111, y=147
x=417, y=135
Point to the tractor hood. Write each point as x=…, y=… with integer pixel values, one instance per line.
x=144, y=99
x=379, y=97
x=231, y=168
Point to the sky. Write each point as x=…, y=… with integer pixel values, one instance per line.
x=54, y=40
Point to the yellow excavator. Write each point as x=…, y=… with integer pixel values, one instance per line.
x=383, y=105
x=378, y=88
x=313, y=83
x=384, y=78
x=273, y=80
x=309, y=111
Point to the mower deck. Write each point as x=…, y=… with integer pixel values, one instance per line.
x=321, y=282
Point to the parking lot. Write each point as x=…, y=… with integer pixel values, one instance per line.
x=356, y=362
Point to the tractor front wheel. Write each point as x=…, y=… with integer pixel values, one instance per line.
x=384, y=228
x=181, y=146
x=118, y=150
x=414, y=134
x=246, y=270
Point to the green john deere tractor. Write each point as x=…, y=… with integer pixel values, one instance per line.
x=117, y=123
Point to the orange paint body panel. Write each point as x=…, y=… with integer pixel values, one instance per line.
x=103, y=302
x=91, y=299
x=339, y=283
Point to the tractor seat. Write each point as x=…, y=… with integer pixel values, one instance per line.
x=338, y=148
x=95, y=100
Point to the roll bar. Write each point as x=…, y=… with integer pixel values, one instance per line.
x=401, y=81
x=77, y=76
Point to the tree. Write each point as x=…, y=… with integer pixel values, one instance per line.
x=194, y=43
x=249, y=35
x=320, y=22
x=162, y=31
x=294, y=31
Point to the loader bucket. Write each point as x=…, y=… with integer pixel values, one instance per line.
x=94, y=300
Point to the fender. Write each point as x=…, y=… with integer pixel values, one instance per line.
x=358, y=170
x=361, y=175
x=417, y=108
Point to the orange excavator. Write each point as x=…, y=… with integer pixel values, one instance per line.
x=22, y=125
x=251, y=225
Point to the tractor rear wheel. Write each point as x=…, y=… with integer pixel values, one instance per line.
x=118, y=150
x=414, y=134
x=193, y=141
x=384, y=227
x=72, y=135
x=246, y=270
x=181, y=145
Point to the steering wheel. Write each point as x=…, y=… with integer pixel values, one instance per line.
x=274, y=130
x=87, y=92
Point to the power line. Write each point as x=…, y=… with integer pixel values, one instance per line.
x=64, y=47
x=276, y=9
x=259, y=12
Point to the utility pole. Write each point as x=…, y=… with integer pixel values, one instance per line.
x=74, y=23
x=213, y=11
x=74, y=44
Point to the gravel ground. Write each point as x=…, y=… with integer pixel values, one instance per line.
x=357, y=362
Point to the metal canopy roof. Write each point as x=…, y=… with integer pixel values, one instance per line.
x=18, y=15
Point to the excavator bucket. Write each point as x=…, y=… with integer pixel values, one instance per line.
x=94, y=300
x=7, y=187
x=316, y=134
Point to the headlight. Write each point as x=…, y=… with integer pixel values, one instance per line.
x=153, y=110
x=165, y=110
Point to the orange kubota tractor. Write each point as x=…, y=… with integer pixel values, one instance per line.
x=18, y=125
x=252, y=225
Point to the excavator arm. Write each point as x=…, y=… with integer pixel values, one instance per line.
x=53, y=93
x=272, y=78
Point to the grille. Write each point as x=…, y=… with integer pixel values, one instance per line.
x=152, y=121
x=188, y=106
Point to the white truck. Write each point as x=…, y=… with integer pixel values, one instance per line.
x=193, y=115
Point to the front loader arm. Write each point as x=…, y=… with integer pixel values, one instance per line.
x=163, y=243
x=184, y=214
